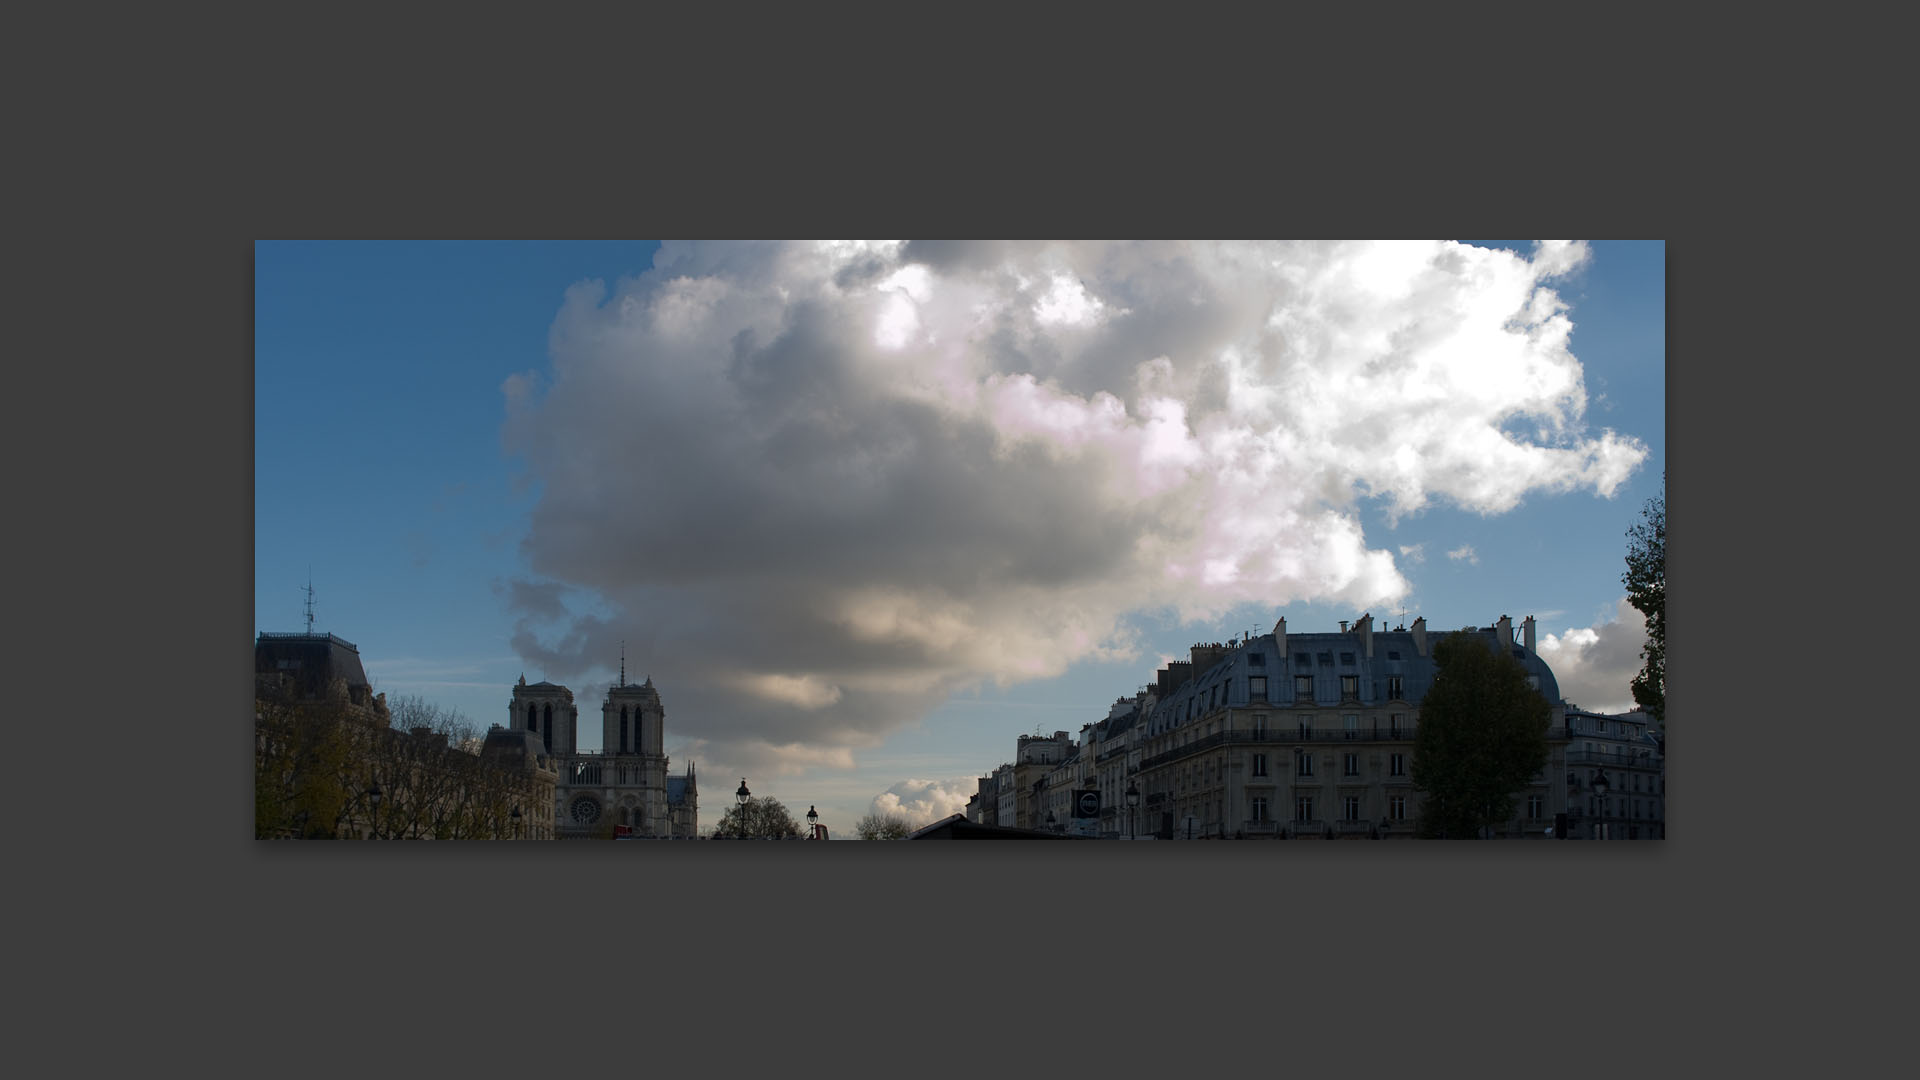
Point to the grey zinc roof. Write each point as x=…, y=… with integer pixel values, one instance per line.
x=1416, y=672
x=312, y=659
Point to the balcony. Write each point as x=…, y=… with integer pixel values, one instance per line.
x=1620, y=758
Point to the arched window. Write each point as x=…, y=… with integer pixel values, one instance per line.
x=623, y=729
x=548, y=736
x=531, y=726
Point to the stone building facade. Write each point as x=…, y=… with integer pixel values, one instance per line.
x=1625, y=749
x=1299, y=736
x=625, y=783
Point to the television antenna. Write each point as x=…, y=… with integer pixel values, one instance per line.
x=309, y=592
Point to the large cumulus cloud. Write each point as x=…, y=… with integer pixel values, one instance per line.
x=1595, y=665
x=818, y=487
x=923, y=802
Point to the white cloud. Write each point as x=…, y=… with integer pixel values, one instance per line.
x=923, y=802
x=1414, y=552
x=1464, y=553
x=818, y=488
x=1595, y=665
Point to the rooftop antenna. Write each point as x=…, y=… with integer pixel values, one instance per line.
x=309, y=599
x=623, y=661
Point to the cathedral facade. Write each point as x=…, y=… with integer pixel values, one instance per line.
x=622, y=787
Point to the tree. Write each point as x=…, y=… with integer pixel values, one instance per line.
x=1646, y=582
x=1481, y=739
x=883, y=827
x=763, y=818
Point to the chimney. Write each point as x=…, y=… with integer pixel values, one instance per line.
x=1343, y=626
x=1280, y=638
x=1365, y=629
x=1526, y=629
x=1420, y=635
x=1504, y=631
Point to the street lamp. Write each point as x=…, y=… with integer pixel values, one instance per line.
x=741, y=796
x=813, y=823
x=373, y=815
x=1133, y=801
x=1600, y=788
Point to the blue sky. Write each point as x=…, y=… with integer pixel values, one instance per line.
x=867, y=514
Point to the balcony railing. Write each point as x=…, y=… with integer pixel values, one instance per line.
x=1612, y=757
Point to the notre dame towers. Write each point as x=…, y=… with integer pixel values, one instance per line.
x=624, y=784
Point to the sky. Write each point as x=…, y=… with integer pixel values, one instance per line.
x=867, y=512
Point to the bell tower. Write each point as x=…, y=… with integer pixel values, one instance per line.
x=547, y=710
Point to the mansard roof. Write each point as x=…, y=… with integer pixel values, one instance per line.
x=310, y=661
x=1325, y=658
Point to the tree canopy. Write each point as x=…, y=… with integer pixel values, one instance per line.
x=1481, y=739
x=883, y=827
x=762, y=818
x=1646, y=582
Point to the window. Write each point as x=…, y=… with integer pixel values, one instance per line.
x=1259, y=725
x=1303, y=808
x=1259, y=809
x=1304, y=763
x=1257, y=687
x=1393, y=725
x=1326, y=659
x=1346, y=658
x=1305, y=726
x=1393, y=656
x=1396, y=690
x=1350, y=808
x=1350, y=724
x=1303, y=687
x=1301, y=659
x=1397, y=808
x=1350, y=765
x=1397, y=765
x=1349, y=687
x=1256, y=659
x=1535, y=807
x=1259, y=764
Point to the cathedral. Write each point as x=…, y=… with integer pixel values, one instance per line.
x=625, y=783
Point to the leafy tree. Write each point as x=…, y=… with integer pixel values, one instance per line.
x=1481, y=739
x=1646, y=582
x=883, y=827
x=761, y=818
x=315, y=761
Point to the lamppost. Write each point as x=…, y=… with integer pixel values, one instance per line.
x=373, y=815
x=1600, y=788
x=1133, y=802
x=741, y=796
x=813, y=823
